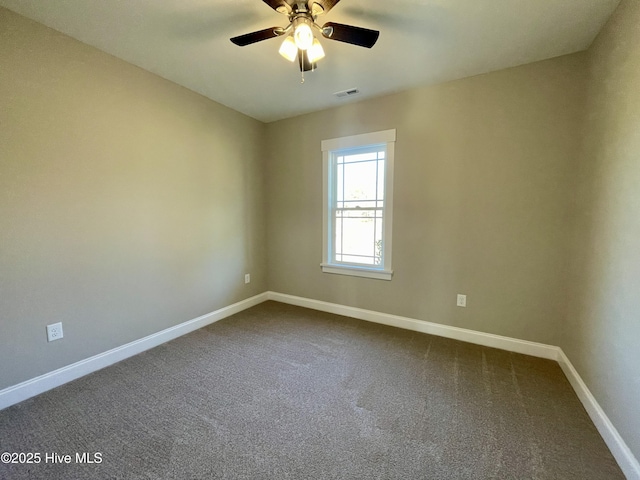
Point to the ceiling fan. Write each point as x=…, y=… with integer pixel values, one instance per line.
x=300, y=41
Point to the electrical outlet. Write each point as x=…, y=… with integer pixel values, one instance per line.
x=247, y=278
x=54, y=332
x=462, y=300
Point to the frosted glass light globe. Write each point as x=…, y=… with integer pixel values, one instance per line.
x=303, y=36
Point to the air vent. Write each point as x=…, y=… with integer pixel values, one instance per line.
x=347, y=93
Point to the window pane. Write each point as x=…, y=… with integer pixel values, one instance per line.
x=368, y=204
x=360, y=157
x=360, y=181
x=378, y=242
x=339, y=183
x=380, y=179
x=358, y=231
x=338, y=230
x=358, y=259
x=361, y=213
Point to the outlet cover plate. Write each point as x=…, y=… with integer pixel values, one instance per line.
x=54, y=332
x=247, y=278
x=462, y=300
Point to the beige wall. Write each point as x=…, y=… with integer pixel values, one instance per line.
x=483, y=181
x=602, y=335
x=127, y=204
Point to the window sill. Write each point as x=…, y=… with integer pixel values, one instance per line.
x=357, y=271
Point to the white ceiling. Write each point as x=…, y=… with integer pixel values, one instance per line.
x=421, y=42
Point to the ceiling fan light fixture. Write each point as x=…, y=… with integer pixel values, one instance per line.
x=300, y=42
x=315, y=51
x=303, y=35
x=288, y=49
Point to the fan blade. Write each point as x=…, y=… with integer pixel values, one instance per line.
x=326, y=4
x=280, y=6
x=350, y=34
x=253, y=37
x=304, y=63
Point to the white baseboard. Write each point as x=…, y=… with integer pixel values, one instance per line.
x=456, y=333
x=625, y=458
x=30, y=388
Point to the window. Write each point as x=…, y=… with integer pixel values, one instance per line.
x=358, y=195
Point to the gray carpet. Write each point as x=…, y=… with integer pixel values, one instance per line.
x=280, y=392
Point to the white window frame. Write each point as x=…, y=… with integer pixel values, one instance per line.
x=380, y=272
